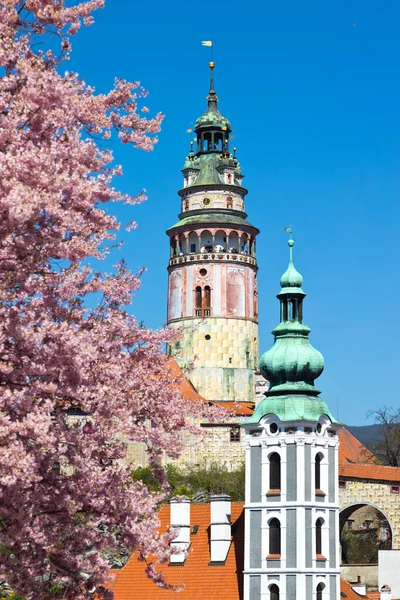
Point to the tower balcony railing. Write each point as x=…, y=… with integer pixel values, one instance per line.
x=215, y=256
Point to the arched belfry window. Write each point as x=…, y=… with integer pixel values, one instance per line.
x=320, y=587
x=318, y=537
x=274, y=592
x=275, y=471
x=274, y=537
x=207, y=301
x=202, y=301
x=198, y=301
x=318, y=459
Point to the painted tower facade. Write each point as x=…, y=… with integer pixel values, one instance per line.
x=291, y=510
x=212, y=271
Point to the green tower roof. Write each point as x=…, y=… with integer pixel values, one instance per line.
x=212, y=117
x=292, y=364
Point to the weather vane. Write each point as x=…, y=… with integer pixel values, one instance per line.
x=289, y=231
x=209, y=44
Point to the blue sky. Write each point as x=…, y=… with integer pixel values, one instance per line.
x=312, y=92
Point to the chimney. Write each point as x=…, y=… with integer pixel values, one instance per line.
x=220, y=527
x=180, y=518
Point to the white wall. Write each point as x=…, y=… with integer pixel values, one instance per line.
x=389, y=570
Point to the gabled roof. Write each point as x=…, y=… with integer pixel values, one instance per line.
x=370, y=472
x=351, y=450
x=223, y=582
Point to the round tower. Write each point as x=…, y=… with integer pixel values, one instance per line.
x=212, y=271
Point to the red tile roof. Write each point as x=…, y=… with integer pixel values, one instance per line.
x=351, y=450
x=187, y=389
x=348, y=592
x=199, y=578
x=371, y=472
x=244, y=409
x=222, y=582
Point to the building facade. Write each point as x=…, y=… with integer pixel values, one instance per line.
x=292, y=504
x=212, y=270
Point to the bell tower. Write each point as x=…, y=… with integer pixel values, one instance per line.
x=212, y=271
x=292, y=510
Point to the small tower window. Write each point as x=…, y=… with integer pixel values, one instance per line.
x=274, y=537
x=275, y=471
x=274, y=592
x=235, y=434
x=207, y=301
x=229, y=202
x=318, y=459
x=198, y=301
x=203, y=301
x=318, y=537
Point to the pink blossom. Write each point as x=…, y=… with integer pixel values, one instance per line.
x=76, y=383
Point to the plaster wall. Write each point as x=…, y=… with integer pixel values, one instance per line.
x=368, y=574
x=389, y=571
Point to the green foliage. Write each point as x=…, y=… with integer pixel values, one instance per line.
x=146, y=475
x=359, y=547
x=199, y=482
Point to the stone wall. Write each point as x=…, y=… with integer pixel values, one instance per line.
x=377, y=494
x=368, y=575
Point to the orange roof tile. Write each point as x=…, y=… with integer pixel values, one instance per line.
x=187, y=389
x=351, y=450
x=238, y=408
x=374, y=472
x=348, y=592
x=223, y=582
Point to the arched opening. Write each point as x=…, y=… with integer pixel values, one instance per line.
x=207, y=142
x=207, y=301
x=244, y=247
x=229, y=202
x=206, y=242
x=220, y=241
x=274, y=592
x=364, y=530
x=218, y=142
x=233, y=242
x=274, y=537
x=320, y=588
x=197, y=295
x=275, y=471
x=193, y=242
x=318, y=460
x=318, y=537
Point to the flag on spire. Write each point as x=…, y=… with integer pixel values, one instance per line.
x=207, y=43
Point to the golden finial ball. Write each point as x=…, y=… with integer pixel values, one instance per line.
x=211, y=64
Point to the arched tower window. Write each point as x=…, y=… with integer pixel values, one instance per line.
x=274, y=592
x=275, y=471
x=198, y=301
x=320, y=587
x=229, y=202
x=318, y=537
x=318, y=459
x=202, y=301
x=207, y=301
x=274, y=537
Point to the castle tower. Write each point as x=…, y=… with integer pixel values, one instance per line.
x=291, y=510
x=212, y=271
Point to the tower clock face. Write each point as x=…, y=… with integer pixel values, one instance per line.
x=206, y=201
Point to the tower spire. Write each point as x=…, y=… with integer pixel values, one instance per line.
x=292, y=364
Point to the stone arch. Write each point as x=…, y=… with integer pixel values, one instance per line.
x=351, y=509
